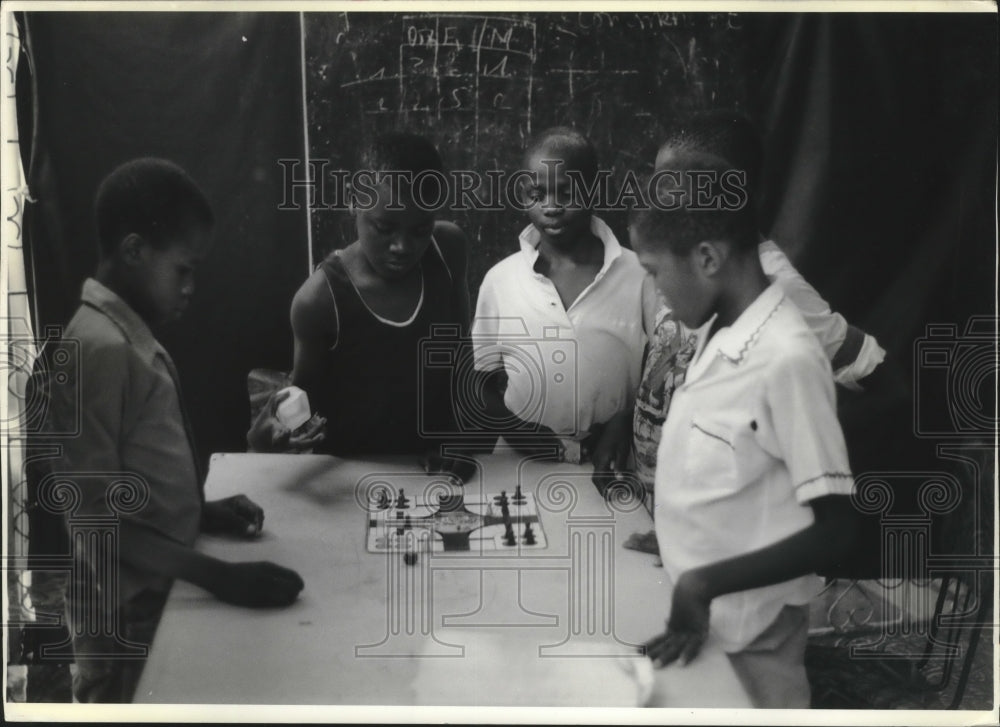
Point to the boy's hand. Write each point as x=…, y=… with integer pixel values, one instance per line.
x=309, y=435
x=611, y=444
x=268, y=434
x=237, y=515
x=460, y=470
x=643, y=542
x=528, y=439
x=687, y=627
x=257, y=585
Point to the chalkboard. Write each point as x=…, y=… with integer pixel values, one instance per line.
x=480, y=84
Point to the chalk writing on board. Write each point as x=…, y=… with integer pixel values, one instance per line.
x=480, y=84
x=466, y=64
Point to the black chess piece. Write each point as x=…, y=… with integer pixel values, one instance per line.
x=509, y=538
x=529, y=535
x=402, y=500
x=519, y=498
x=410, y=557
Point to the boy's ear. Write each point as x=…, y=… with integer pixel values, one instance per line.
x=132, y=248
x=710, y=256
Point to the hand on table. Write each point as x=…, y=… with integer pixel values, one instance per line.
x=236, y=515
x=643, y=542
x=610, y=444
x=687, y=627
x=259, y=584
x=529, y=439
x=268, y=434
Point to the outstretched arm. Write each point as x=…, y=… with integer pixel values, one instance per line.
x=258, y=584
x=802, y=428
x=816, y=547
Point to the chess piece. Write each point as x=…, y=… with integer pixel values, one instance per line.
x=410, y=557
x=519, y=498
x=529, y=535
x=401, y=499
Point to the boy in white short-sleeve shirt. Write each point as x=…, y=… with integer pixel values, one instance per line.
x=600, y=333
x=558, y=327
x=752, y=478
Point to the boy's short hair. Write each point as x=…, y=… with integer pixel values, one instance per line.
x=566, y=143
x=690, y=202
x=726, y=134
x=401, y=152
x=150, y=197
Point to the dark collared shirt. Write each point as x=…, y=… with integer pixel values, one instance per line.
x=130, y=427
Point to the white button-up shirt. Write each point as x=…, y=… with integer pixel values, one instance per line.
x=829, y=327
x=751, y=437
x=567, y=368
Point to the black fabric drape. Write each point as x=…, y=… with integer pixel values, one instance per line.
x=881, y=143
x=221, y=95
x=881, y=138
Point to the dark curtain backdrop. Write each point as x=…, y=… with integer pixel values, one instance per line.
x=221, y=95
x=881, y=142
x=880, y=130
x=881, y=138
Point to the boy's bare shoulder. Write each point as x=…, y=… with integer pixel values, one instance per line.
x=312, y=304
x=448, y=234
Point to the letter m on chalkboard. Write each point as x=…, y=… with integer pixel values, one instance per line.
x=504, y=38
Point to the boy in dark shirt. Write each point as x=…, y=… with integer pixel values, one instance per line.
x=154, y=226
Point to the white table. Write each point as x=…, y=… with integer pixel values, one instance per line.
x=546, y=627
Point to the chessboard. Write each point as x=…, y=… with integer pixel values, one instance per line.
x=454, y=522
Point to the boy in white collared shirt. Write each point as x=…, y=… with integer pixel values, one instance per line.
x=752, y=478
x=558, y=325
x=853, y=354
